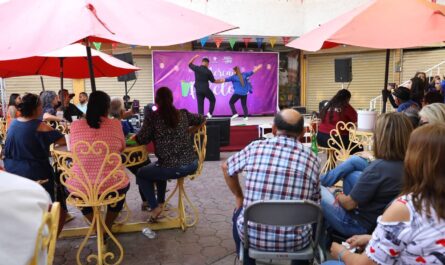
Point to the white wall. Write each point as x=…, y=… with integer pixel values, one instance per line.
x=271, y=17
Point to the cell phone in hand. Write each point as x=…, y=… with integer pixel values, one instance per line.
x=135, y=106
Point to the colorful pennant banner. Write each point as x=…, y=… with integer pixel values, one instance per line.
x=259, y=42
x=232, y=42
x=286, y=40
x=218, y=41
x=204, y=41
x=97, y=45
x=246, y=41
x=272, y=41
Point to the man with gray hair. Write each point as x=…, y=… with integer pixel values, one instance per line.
x=280, y=168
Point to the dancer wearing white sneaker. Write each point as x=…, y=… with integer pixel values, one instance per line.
x=202, y=77
x=241, y=87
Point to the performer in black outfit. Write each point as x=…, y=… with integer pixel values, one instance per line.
x=202, y=77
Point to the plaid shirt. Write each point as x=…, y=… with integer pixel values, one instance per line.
x=280, y=168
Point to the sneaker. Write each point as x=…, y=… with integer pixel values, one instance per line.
x=209, y=115
x=246, y=118
x=234, y=116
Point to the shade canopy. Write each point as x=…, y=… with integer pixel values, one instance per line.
x=380, y=24
x=75, y=64
x=31, y=28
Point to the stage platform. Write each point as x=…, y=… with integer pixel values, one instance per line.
x=244, y=132
x=260, y=120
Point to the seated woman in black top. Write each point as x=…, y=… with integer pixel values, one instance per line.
x=168, y=129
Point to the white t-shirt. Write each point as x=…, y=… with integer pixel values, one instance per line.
x=22, y=205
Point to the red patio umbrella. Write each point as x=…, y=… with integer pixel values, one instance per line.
x=380, y=24
x=30, y=28
x=70, y=61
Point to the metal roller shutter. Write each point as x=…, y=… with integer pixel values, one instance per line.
x=368, y=69
x=143, y=88
x=32, y=84
x=421, y=60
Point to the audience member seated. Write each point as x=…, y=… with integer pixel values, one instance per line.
x=279, y=168
x=432, y=97
x=412, y=229
x=117, y=111
x=27, y=148
x=168, y=129
x=12, y=112
x=83, y=102
x=50, y=101
x=98, y=127
x=22, y=205
x=69, y=109
x=354, y=210
x=417, y=87
x=401, y=96
x=433, y=113
x=337, y=109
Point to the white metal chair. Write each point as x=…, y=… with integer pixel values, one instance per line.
x=284, y=213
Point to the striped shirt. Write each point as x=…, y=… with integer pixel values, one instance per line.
x=280, y=168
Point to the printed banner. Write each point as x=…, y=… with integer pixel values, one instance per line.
x=170, y=69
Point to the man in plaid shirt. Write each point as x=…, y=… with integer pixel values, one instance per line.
x=280, y=168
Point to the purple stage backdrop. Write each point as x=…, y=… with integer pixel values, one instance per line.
x=171, y=69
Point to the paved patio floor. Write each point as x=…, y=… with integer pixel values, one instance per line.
x=209, y=242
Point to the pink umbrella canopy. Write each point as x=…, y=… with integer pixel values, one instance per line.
x=31, y=28
x=380, y=24
x=75, y=64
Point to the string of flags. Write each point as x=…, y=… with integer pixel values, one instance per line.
x=218, y=40
x=246, y=40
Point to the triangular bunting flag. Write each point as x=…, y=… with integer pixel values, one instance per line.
x=259, y=42
x=286, y=40
x=133, y=46
x=114, y=45
x=246, y=41
x=232, y=42
x=218, y=41
x=272, y=41
x=204, y=40
x=97, y=45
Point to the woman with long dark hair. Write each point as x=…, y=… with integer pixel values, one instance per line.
x=241, y=87
x=337, y=109
x=13, y=112
x=98, y=127
x=168, y=129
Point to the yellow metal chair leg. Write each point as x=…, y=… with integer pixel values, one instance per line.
x=103, y=256
x=330, y=161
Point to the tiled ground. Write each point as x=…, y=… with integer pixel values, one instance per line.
x=209, y=242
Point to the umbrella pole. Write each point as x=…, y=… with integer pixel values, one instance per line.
x=384, y=98
x=43, y=84
x=61, y=82
x=90, y=66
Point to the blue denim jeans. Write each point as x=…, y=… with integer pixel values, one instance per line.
x=248, y=260
x=338, y=218
x=349, y=171
x=149, y=175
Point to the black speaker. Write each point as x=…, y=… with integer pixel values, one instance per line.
x=300, y=109
x=212, y=148
x=224, y=129
x=343, y=70
x=128, y=58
